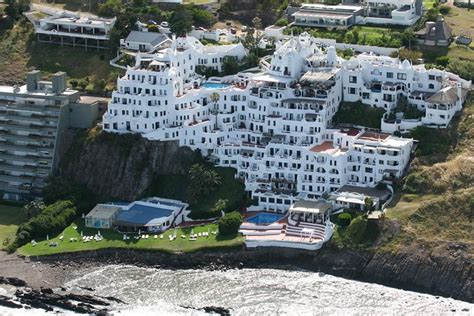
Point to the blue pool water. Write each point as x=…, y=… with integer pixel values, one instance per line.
x=215, y=85
x=264, y=218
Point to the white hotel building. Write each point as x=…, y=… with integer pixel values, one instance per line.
x=381, y=81
x=273, y=125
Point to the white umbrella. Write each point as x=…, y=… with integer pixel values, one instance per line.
x=47, y=237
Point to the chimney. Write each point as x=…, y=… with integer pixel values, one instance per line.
x=59, y=82
x=32, y=79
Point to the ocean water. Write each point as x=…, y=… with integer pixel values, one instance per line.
x=253, y=292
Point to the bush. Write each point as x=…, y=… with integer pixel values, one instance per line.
x=73, y=83
x=51, y=221
x=444, y=9
x=344, y=219
x=357, y=113
x=229, y=224
x=442, y=60
x=281, y=22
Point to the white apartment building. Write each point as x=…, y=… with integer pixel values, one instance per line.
x=272, y=125
x=33, y=118
x=381, y=81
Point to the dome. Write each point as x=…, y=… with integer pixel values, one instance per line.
x=406, y=64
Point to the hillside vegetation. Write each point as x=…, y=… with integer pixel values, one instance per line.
x=437, y=204
x=20, y=52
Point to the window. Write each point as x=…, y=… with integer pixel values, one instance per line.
x=352, y=91
x=352, y=79
x=389, y=74
x=431, y=86
x=431, y=77
x=401, y=76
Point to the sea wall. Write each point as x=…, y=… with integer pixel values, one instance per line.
x=447, y=272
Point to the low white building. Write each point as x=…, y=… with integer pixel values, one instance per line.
x=70, y=28
x=145, y=41
x=383, y=12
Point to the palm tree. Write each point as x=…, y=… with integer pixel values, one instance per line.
x=215, y=99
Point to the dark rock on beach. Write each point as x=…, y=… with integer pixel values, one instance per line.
x=12, y=281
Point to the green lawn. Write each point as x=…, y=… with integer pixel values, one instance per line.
x=10, y=218
x=113, y=239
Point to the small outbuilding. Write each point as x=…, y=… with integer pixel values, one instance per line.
x=144, y=41
x=102, y=216
x=435, y=33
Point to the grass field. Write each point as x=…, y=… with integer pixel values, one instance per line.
x=113, y=239
x=461, y=21
x=10, y=218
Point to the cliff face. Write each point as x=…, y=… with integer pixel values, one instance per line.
x=447, y=270
x=122, y=166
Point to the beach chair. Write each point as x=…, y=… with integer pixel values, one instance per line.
x=155, y=236
x=199, y=234
x=161, y=236
x=183, y=236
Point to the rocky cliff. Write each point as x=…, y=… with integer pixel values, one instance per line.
x=122, y=167
x=446, y=273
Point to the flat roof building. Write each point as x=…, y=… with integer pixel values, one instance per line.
x=71, y=28
x=102, y=216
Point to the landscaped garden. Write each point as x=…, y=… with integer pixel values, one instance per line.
x=114, y=239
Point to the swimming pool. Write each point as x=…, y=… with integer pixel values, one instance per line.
x=264, y=218
x=215, y=85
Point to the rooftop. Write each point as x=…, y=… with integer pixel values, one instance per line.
x=323, y=147
x=306, y=206
x=143, y=214
x=104, y=211
x=152, y=38
x=373, y=136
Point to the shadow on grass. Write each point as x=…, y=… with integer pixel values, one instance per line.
x=220, y=237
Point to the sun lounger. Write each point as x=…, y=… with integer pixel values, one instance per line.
x=161, y=236
x=199, y=234
x=183, y=236
x=155, y=236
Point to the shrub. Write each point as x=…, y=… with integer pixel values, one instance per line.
x=344, y=219
x=281, y=22
x=444, y=9
x=229, y=224
x=83, y=84
x=219, y=207
x=73, y=83
x=359, y=114
x=442, y=60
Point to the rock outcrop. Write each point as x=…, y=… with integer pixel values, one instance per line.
x=122, y=166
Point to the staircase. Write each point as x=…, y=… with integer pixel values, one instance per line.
x=295, y=230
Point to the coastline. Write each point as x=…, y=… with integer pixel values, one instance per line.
x=414, y=269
